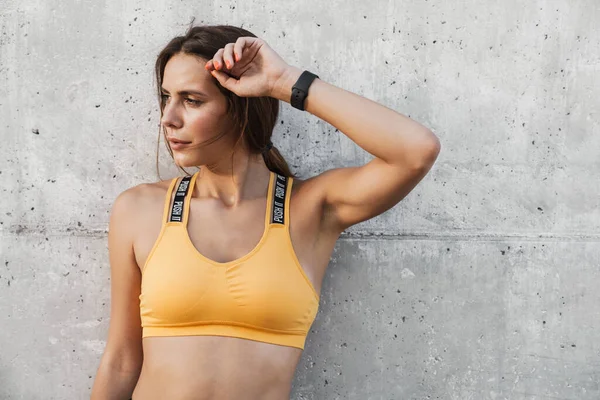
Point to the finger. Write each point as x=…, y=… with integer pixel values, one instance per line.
x=238, y=48
x=225, y=80
x=209, y=65
x=218, y=59
x=228, y=55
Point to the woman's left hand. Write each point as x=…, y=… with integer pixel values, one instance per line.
x=249, y=67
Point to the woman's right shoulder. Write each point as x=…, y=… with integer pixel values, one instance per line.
x=143, y=194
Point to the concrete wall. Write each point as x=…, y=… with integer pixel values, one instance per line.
x=482, y=284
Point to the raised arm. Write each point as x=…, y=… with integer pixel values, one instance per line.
x=404, y=152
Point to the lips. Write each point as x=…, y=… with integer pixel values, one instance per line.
x=175, y=141
x=176, y=144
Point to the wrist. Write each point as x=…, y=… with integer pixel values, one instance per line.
x=282, y=90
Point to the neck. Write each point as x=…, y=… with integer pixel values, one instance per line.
x=246, y=177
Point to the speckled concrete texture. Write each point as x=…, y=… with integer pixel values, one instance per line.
x=481, y=284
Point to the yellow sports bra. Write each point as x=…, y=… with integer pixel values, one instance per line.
x=264, y=295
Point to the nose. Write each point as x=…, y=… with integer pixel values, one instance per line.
x=170, y=117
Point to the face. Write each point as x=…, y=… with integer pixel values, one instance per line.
x=194, y=111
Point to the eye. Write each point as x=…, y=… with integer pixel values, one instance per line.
x=163, y=97
x=194, y=102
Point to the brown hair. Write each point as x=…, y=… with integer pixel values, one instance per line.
x=254, y=117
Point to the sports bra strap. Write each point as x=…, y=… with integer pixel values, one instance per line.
x=188, y=197
x=278, y=215
x=180, y=209
x=183, y=192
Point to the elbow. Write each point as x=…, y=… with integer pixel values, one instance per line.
x=124, y=362
x=435, y=148
x=430, y=152
x=419, y=154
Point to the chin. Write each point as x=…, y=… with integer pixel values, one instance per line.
x=186, y=162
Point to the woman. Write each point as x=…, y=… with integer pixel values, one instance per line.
x=214, y=300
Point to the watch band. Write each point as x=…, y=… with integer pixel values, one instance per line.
x=300, y=89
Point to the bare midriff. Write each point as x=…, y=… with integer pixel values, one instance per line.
x=215, y=367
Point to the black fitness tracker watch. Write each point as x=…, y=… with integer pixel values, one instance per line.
x=300, y=89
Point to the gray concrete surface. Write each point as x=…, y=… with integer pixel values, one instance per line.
x=481, y=284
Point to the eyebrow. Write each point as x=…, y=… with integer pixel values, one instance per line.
x=185, y=92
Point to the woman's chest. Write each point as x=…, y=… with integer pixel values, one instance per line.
x=225, y=238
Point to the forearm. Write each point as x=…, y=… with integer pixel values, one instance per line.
x=381, y=131
x=112, y=383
